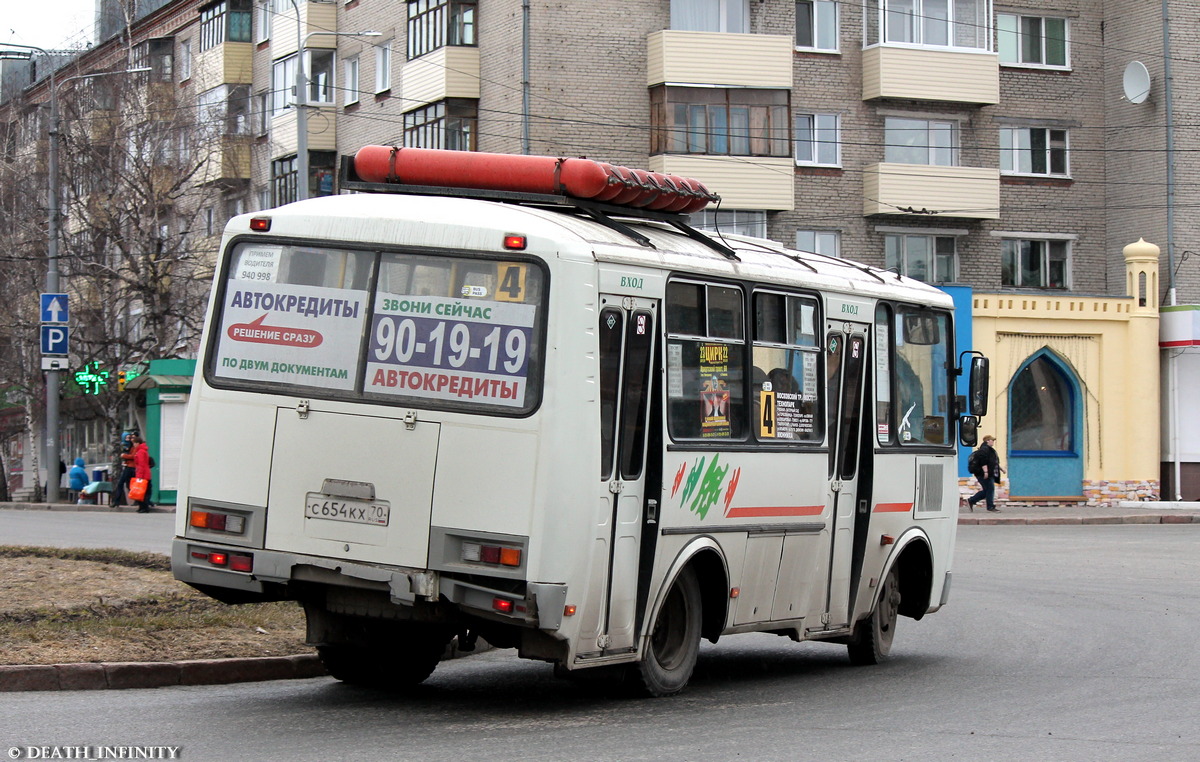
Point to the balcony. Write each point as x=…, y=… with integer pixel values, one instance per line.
x=958, y=192
x=715, y=58
x=742, y=182
x=227, y=63
x=931, y=74
x=228, y=165
x=322, y=132
x=451, y=71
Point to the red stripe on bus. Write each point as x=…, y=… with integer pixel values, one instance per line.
x=893, y=507
x=775, y=510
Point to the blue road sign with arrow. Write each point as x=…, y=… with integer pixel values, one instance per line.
x=55, y=308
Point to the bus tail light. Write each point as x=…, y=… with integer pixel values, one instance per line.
x=515, y=242
x=491, y=554
x=217, y=522
x=260, y=224
x=503, y=605
x=240, y=562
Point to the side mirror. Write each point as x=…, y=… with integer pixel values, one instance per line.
x=977, y=386
x=968, y=431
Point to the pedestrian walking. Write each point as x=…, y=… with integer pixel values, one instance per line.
x=984, y=465
x=141, y=466
x=123, y=469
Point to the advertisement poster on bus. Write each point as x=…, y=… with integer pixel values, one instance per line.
x=291, y=334
x=714, y=390
x=450, y=349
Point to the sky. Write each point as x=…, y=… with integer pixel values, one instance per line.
x=47, y=24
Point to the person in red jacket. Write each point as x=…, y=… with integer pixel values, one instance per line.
x=141, y=468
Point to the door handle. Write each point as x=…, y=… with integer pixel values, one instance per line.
x=651, y=511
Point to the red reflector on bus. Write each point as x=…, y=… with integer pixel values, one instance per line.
x=517, y=242
x=490, y=554
x=503, y=605
x=218, y=559
x=241, y=563
x=261, y=224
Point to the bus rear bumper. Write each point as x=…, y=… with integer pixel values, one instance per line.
x=206, y=564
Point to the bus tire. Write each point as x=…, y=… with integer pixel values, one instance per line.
x=674, y=642
x=402, y=663
x=872, y=638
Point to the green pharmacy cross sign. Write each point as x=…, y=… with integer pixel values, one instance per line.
x=91, y=379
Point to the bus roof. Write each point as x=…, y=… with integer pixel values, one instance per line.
x=475, y=224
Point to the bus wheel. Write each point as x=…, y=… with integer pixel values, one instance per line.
x=872, y=638
x=675, y=640
x=398, y=663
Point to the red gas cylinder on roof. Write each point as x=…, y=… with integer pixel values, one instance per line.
x=580, y=178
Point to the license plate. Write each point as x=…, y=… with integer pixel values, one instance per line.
x=318, y=506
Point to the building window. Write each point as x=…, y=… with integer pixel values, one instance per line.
x=817, y=140
x=1042, y=408
x=283, y=84
x=159, y=57
x=741, y=221
x=450, y=124
x=383, y=67
x=433, y=24
x=920, y=141
x=817, y=25
x=1032, y=40
x=351, y=87
x=283, y=181
x=226, y=21
x=265, y=12
x=928, y=258
x=261, y=110
x=1033, y=151
x=932, y=23
x=711, y=15
x=827, y=242
x=185, y=60
x=720, y=121
x=1034, y=264
x=320, y=64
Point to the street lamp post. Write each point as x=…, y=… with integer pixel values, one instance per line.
x=302, y=98
x=52, y=455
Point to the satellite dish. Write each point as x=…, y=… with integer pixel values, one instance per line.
x=1136, y=82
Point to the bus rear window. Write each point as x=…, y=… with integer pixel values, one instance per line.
x=293, y=315
x=446, y=331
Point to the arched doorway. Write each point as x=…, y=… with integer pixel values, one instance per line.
x=1045, y=442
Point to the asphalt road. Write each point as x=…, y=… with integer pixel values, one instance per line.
x=1060, y=643
x=151, y=532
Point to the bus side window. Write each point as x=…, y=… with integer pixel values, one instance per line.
x=706, y=362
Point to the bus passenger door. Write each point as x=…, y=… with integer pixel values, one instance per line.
x=846, y=349
x=626, y=331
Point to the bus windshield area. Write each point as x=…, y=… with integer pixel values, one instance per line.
x=449, y=331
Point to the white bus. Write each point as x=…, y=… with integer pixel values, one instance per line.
x=589, y=433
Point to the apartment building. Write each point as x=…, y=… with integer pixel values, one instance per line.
x=987, y=148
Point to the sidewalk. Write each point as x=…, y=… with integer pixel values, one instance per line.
x=1122, y=513
x=85, y=508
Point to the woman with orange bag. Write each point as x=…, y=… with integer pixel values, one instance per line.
x=141, y=466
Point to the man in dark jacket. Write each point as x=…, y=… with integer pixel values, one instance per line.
x=988, y=473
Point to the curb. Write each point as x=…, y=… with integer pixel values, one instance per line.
x=134, y=674
x=120, y=675
x=1151, y=518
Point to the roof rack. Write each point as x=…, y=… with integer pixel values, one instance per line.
x=597, y=211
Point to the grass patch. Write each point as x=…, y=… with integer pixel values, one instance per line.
x=89, y=605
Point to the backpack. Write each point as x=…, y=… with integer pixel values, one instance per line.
x=975, y=465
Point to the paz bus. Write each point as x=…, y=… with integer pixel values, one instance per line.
x=574, y=427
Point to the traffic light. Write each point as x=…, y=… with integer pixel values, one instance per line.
x=121, y=381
